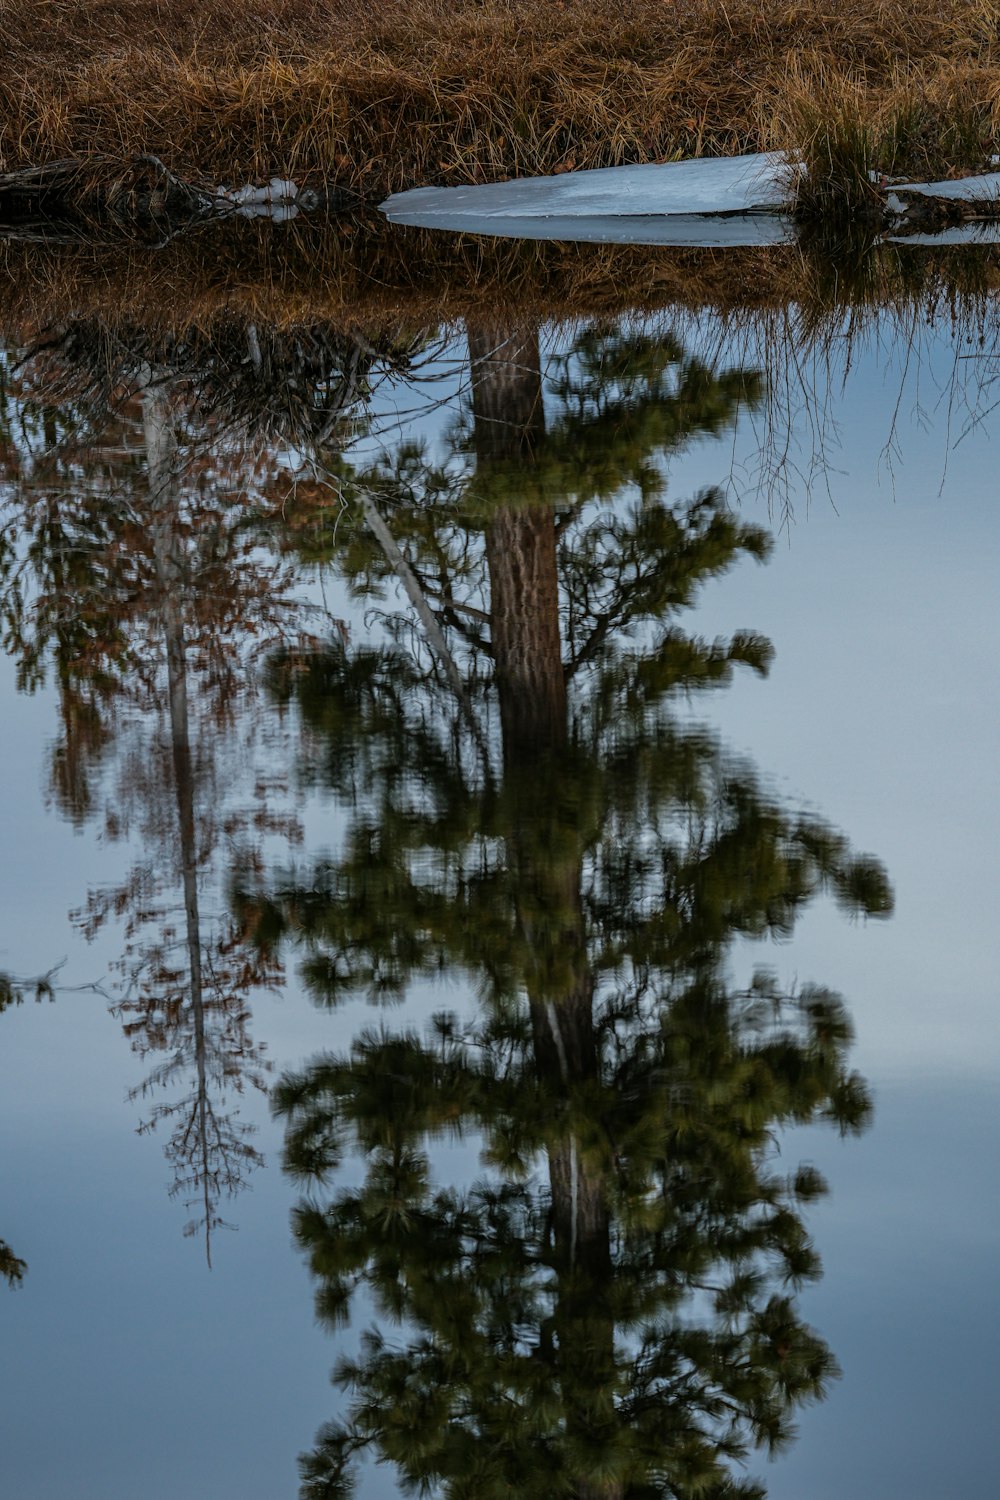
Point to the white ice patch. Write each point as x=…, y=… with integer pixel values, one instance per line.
x=279, y=200
x=702, y=231
x=589, y=205
x=984, y=188
x=960, y=234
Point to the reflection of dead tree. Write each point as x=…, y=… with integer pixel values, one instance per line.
x=188, y=990
x=208, y=1148
x=171, y=600
x=196, y=1013
x=152, y=582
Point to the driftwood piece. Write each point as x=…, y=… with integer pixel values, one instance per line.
x=137, y=198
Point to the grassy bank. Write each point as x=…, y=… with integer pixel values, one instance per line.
x=388, y=95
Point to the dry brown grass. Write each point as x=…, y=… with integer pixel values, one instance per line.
x=386, y=95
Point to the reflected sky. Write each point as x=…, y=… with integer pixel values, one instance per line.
x=879, y=714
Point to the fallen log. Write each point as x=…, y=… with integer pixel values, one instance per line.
x=138, y=198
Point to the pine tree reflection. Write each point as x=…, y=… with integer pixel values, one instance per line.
x=609, y=1312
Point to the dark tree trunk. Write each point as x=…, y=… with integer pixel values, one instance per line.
x=506, y=392
x=524, y=626
x=546, y=852
x=520, y=548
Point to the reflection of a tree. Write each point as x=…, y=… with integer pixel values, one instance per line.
x=622, y=1324
x=147, y=590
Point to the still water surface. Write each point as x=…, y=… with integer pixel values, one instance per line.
x=506, y=820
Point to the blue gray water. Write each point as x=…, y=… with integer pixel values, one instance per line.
x=128, y=1364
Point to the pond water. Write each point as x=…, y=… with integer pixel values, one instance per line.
x=500, y=828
